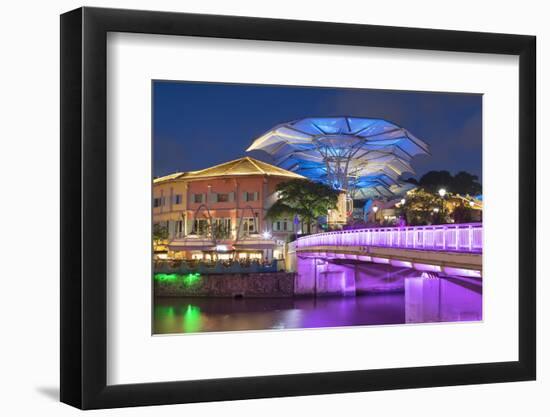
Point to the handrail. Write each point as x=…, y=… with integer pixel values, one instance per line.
x=464, y=237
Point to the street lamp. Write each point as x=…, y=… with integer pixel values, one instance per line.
x=442, y=192
x=436, y=210
x=266, y=235
x=375, y=209
x=403, y=201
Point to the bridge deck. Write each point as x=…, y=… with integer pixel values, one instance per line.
x=446, y=237
x=451, y=249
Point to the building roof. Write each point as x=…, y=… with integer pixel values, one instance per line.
x=238, y=167
x=168, y=177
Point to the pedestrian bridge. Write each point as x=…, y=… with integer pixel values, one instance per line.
x=450, y=249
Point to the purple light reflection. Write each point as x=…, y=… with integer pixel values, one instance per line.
x=442, y=300
x=420, y=300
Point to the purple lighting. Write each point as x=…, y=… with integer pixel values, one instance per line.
x=427, y=268
x=461, y=272
x=443, y=238
x=404, y=264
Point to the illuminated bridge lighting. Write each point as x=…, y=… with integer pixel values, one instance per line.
x=446, y=238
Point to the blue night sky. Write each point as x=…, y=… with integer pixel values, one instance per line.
x=197, y=125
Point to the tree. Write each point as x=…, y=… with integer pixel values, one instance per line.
x=461, y=183
x=412, y=180
x=306, y=199
x=434, y=180
x=422, y=207
x=466, y=183
x=462, y=213
x=160, y=233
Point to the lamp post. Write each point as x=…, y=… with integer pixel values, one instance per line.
x=375, y=210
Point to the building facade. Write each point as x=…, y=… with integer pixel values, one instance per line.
x=219, y=213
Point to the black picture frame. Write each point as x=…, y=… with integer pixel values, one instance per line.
x=84, y=207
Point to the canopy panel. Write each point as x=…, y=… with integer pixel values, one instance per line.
x=345, y=152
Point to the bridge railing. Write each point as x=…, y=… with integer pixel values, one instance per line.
x=446, y=237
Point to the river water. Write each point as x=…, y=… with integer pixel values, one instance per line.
x=423, y=300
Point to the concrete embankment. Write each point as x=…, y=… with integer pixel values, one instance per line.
x=312, y=279
x=256, y=285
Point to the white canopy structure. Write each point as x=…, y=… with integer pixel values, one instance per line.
x=349, y=153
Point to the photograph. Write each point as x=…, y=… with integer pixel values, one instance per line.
x=298, y=207
x=271, y=209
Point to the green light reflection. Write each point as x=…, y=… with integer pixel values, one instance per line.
x=191, y=279
x=166, y=277
x=188, y=280
x=192, y=319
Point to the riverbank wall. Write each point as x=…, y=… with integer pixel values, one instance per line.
x=314, y=278
x=254, y=285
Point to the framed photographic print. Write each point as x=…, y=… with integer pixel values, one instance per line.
x=257, y=208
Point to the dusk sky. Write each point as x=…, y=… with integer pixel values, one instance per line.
x=197, y=125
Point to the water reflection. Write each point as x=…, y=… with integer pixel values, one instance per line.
x=423, y=300
x=441, y=300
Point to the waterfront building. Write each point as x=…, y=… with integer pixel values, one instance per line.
x=218, y=213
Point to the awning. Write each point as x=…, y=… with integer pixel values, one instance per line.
x=255, y=244
x=191, y=244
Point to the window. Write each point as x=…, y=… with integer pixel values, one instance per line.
x=223, y=198
x=283, y=225
x=158, y=201
x=249, y=225
x=177, y=199
x=179, y=228
x=222, y=227
x=198, y=198
x=201, y=227
x=250, y=196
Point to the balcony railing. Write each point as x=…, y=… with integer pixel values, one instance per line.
x=445, y=237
